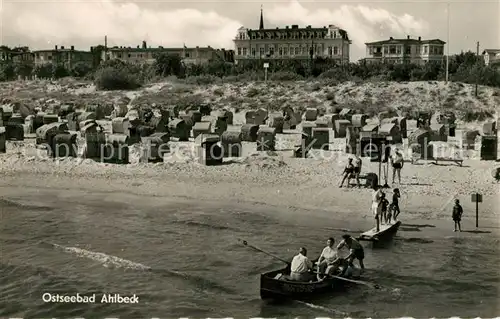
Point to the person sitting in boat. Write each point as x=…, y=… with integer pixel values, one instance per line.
x=356, y=251
x=299, y=269
x=328, y=261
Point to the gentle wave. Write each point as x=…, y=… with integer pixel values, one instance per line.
x=6, y=203
x=110, y=261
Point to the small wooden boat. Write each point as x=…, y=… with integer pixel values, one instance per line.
x=385, y=231
x=277, y=286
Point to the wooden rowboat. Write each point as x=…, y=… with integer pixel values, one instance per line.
x=386, y=231
x=277, y=286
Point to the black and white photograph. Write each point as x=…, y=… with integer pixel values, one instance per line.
x=249, y=159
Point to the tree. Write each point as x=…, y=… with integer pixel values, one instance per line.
x=219, y=68
x=7, y=72
x=80, y=69
x=168, y=64
x=116, y=78
x=24, y=70
x=59, y=71
x=43, y=71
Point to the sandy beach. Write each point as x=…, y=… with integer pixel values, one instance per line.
x=88, y=226
x=294, y=184
x=272, y=179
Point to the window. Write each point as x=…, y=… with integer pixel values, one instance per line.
x=398, y=49
x=239, y=51
x=304, y=50
x=408, y=50
x=297, y=51
x=392, y=49
x=335, y=50
x=280, y=51
x=386, y=50
x=129, y=55
x=330, y=51
x=370, y=49
x=245, y=51
x=261, y=51
x=49, y=57
x=253, y=36
x=271, y=51
x=253, y=51
x=426, y=48
x=285, y=51
x=335, y=34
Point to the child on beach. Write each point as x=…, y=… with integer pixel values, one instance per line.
x=384, y=203
x=394, y=207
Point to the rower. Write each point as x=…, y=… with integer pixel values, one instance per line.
x=328, y=260
x=356, y=251
x=299, y=270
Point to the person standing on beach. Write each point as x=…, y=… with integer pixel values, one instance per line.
x=348, y=172
x=397, y=164
x=357, y=168
x=457, y=214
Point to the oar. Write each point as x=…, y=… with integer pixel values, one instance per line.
x=369, y=284
x=244, y=242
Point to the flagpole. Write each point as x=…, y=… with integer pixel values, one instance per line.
x=448, y=43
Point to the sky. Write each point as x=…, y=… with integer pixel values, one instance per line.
x=42, y=24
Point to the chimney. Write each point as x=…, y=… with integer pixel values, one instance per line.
x=138, y=47
x=56, y=47
x=62, y=47
x=72, y=48
x=419, y=38
x=286, y=27
x=105, y=41
x=408, y=37
x=144, y=46
x=391, y=38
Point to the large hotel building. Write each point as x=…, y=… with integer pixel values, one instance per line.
x=292, y=43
